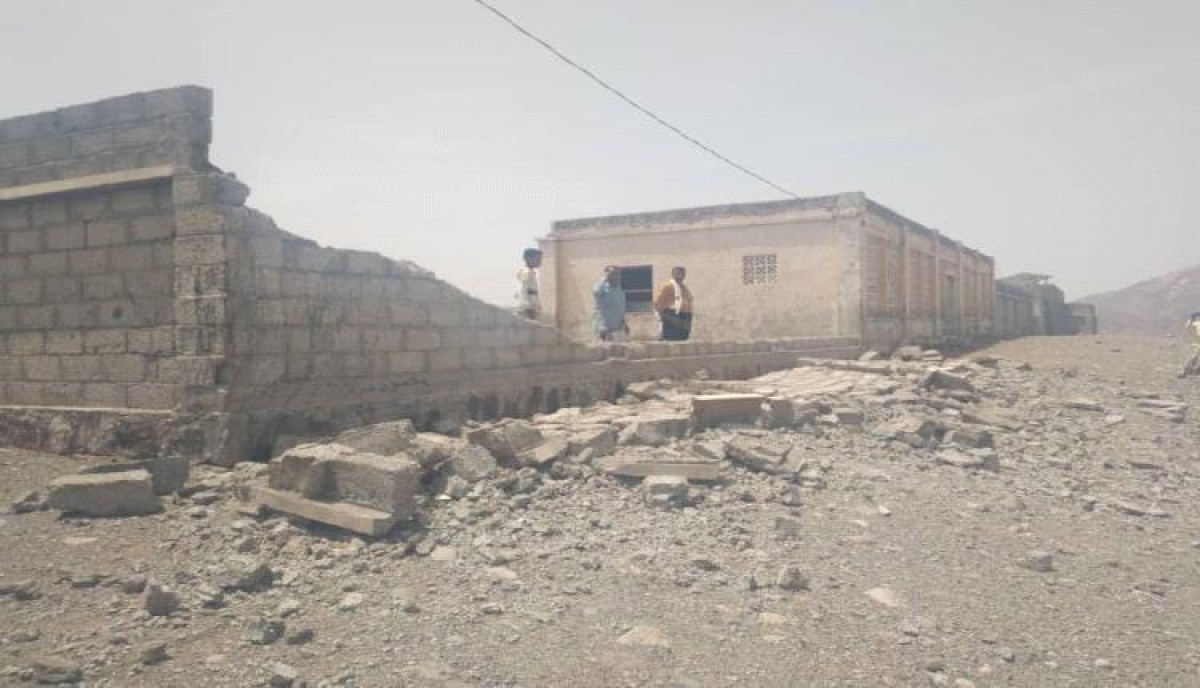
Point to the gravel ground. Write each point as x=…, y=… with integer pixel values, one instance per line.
x=1068, y=558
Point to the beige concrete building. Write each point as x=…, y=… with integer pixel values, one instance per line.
x=831, y=266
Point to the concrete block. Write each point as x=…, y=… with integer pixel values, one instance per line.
x=105, y=395
x=201, y=310
x=28, y=241
x=204, y=220
x=351, y=517
x=104, y=341
x=15, y=217
x=132, y=257
x=27, y=393
x=88, y=261
x=48, y=264
x=61, y=290
x=35, y=317
x=107, y=233
x=151, y=228
x=337, y=473
x=103, y=287
x=26, y=343
x=443, y=360
x=12, y=267
x=62, y=393
x=132, y=200
x=41, y=368
x=711, y=410
x=81, y=368
x=168, y=473
x=64, y=342
x=422, y=339
x=147, y=395
x=407, y=362
x=127, y=493
x=199, y=250
x=124, y=368
x=24, y=291
x=50, y=212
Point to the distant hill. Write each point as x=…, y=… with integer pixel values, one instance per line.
x=1157, y=305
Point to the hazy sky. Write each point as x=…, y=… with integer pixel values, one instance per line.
x=1059, y=137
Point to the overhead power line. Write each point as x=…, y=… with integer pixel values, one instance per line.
x=633, y=103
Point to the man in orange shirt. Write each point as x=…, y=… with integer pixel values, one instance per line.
x=673, y=304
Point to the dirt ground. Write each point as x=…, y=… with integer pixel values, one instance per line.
x=1074, y=561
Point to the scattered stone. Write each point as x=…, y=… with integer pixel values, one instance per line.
x=29, y=503
x=335, y=473
x=1083, y=404
x=22, y=590
x=546, y=453
x=601, y=441
x=160, y=600
x=300, y=636
x=263, y=631
x=351, y=602
x=125, y=493
x=1038, y=560
x=153, y=653
x=384, y=439
x=665, y=491
x=884, y=596
x=791, y=579
x=505, y=440
x=952, y=457
x=642, y=466
x=940, y=379
x=645, y=636
x=247, y=576
x=473, y=463
x=282, y=675
x=51, y=671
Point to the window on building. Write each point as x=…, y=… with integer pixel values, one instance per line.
x=637, y=281
x=762, y=269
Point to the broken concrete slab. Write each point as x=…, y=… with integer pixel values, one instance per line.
x=168, y=473
x=748, y=452
x=357, y=519
x=601, y=440
x=546, y=453
x=714, y=410
x=953, y=457
x=633, y=466
x=385, y=439
x=655, y=430
x=506, y=440
x=472, y=463
x=780, y=413
x=940, y=379
x=125, y=493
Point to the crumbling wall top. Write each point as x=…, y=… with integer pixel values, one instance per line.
x=167, y=127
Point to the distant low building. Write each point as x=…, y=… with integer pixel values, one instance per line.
x=1032, y=305
x=839, y=265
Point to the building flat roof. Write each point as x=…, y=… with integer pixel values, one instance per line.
x=729, y=215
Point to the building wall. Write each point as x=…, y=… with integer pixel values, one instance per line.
x=804, y=298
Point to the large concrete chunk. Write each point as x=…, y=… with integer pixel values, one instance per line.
x=127, y=493
x=169, y=473
x=385, y=439
x=506, y=440
x=357, y=519
x=711, y=410
x=601, y=440
x=338, y=473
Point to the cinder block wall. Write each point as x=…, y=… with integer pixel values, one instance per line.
x=145, y=309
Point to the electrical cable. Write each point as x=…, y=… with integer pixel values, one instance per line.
x=633, y=103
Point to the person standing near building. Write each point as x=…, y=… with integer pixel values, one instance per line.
x=610, y=306
x=529, y=304
x=1192, y=366
x=673, y=304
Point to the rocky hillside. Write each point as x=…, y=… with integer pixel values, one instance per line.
x=1156, y=305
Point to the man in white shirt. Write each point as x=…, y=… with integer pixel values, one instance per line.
x=529, y=304
x=1192, y=367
